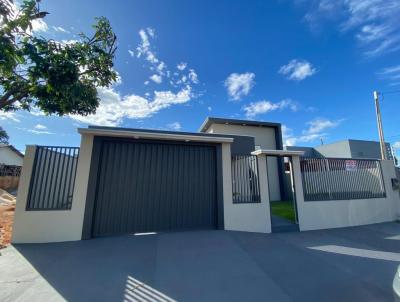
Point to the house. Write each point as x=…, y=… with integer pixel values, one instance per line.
x=349, y=148
x=130, y=181
x=10, y=156
x=266, y=135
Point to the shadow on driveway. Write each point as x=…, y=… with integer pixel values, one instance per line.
x=352, y=264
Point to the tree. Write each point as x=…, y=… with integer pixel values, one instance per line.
x=3, y=136
x=58, y=78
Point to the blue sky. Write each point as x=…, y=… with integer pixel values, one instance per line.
x=310, y=65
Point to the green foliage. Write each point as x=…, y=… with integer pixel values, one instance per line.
x=284, y=209
x=58, y=78
x=3, y=136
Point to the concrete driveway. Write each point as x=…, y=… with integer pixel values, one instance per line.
x=352, y=264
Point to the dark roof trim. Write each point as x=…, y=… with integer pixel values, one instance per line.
x=13, y=149
x=216, y=120
x=153, y=131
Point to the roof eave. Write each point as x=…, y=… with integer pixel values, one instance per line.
x=155, y=135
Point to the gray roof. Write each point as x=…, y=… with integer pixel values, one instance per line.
x=355, y=140
x=12, y=148
x=216, y=120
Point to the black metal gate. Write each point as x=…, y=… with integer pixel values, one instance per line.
x=149, y=186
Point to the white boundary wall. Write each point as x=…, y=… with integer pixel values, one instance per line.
x=52, y=226
x=314, y=215
x=66, y=225
x=248, y=217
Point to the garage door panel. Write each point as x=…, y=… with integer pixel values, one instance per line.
x=153, y=187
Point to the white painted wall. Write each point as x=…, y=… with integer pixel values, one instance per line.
x=9, y=157
x=314, y=215
x=66, y=225
x=52, y=226
x=248, y=217
x=263, y=137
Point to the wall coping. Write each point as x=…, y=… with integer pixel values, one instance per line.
x=154, y=135
x=277, y=152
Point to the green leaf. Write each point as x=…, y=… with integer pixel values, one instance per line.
x=58, y=79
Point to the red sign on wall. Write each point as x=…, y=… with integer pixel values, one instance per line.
x=351, y=165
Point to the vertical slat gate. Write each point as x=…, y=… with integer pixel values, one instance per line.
x=150, y=186
x=53, y=178
x=245, y=183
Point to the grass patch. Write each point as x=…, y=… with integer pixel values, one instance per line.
x=284, y=209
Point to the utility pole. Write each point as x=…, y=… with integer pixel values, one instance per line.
x=380, y=130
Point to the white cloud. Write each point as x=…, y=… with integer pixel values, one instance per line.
x=390, y=70
x=193, y=76
x=60, y=29
x=114, y=108
x=391, y=74
x=37, y=132
x=262, y=107
x=39, y=25
x=319, y=125
x=40, y=127
x=9, y=115
x=297, y=70
x=145, y=50
x=174, y=126
x=151, y=32
x=156, y=78
x=182, y=80
x=316, y=129
x=36, y=112
x=69, y=42
x=289, y=139
x=396, y=145
x=131, y=53
x=144, y=47
x=239, y=85
x=158, y=67
x=161, y=67
x=209, y=108
x=375, y=23
x=118, y=80
x=181, y=66
x=287, y=136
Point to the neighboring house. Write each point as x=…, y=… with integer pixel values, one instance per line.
x=10, y=156
x=350, y=148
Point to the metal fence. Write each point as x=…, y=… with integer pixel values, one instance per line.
x=53, y=178
x=341, y=179
x=9, y=177
x=245, y=183
x=6, y=170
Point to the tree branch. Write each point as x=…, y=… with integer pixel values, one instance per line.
x=6, y=99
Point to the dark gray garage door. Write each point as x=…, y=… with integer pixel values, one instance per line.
x=146, y=187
